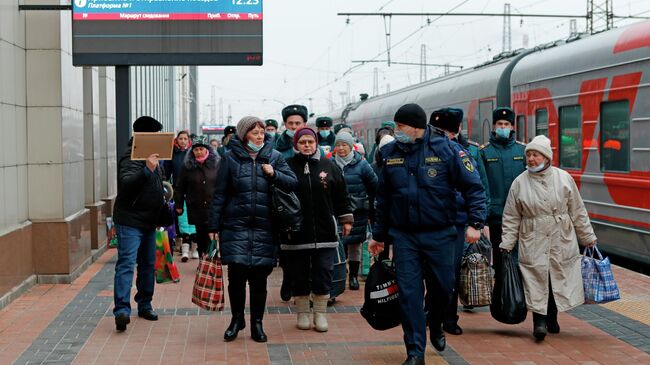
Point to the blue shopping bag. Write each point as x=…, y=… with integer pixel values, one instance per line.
x=597, y=278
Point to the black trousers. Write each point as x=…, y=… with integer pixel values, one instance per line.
x=310, y=270
x=495, y=238
x=256, y=277
x=451, y=316
x=202, y=238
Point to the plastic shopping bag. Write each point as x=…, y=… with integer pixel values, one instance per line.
x=508, y=300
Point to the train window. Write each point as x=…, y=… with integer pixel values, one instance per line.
x=541, y=122
x=571, y=137
x=521, y=128
x=615, y=136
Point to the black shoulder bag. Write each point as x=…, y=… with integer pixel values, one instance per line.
x=286, y=211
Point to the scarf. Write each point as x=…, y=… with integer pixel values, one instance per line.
x=201, y=160
x=344, y=161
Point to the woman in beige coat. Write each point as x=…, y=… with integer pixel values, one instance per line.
x=545, y=214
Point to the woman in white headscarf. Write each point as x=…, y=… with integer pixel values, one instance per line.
x=545, y=214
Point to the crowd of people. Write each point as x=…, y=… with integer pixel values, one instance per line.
x=424, y=192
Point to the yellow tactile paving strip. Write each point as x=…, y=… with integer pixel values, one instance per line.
x=635, y=295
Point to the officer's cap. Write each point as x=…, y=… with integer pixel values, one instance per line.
x=503, y=113
x=323, y=122
x=271, y=123
x=448, y=119
x=229, y=130
x=294, y=109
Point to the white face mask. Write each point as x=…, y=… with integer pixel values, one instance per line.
x=537, y=168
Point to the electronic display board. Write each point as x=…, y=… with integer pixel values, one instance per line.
x=166, y=32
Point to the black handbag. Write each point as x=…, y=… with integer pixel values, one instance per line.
x=286, y=210
x=166, y=217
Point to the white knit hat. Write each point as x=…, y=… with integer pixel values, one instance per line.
x=385, y=140
x=542, y=145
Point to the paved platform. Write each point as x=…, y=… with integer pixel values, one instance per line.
x=73, y=324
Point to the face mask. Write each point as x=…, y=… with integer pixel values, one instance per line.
x=270, y=134
x=254, y=147
x=324, y=134
x=537, y=168
x=503, y=132
x=403, y=137
x=290, y=133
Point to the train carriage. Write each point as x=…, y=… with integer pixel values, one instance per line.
x=589, y=95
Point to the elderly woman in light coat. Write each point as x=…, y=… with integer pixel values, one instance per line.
x=545, y=214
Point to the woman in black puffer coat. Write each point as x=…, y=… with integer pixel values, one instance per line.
x=195, y=186
x=240, y=215
x=311, y=251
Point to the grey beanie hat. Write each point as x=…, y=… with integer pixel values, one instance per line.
x=246, y=124
x=346, y=137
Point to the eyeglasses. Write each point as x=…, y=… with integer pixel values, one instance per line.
x=306, y=142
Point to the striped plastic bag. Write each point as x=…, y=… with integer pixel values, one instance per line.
x=597, y=278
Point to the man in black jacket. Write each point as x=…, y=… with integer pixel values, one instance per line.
x=138, y=206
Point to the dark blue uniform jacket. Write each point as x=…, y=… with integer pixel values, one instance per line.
x=417, y=186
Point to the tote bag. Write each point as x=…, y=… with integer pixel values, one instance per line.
x=207, y=292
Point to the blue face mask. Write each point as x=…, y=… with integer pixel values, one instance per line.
x=537, y=168
x=290, y=133
x=503, y=132
x=325, y=134
x=403, y=137
x=254, y=147
x=271, y=134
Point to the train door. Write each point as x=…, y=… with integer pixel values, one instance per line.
x=485, y=117
x=520, y=128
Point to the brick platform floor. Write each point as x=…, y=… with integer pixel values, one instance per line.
x=64, y=324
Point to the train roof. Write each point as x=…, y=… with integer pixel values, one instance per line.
x=584, y=53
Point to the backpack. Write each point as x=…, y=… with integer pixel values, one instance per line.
x=381, y=297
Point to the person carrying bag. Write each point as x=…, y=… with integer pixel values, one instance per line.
x=207, y=292
x=381, y=297
x=508, y=299
x=475, y=287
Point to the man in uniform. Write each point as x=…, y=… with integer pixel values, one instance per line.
x=294, y=117
x=504, y=159
x=416, y=206
x=448, y=121
x=326, y=137
x=228, y=133
x=271, y=128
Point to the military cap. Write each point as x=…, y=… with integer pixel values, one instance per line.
x=503, y=113
x=448, y=119
x=229, y=130
x=388, y=124
x=294, y=109
x=340, y=126
x=147, y=124
x=271, y=123
x=323, y=122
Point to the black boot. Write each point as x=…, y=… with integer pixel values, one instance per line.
x=354, y=272
x=414, y=360
x=539, y=326
x=551, y=315
x=285, y=289
x=237, y=323
x=257, y=331
x=437, y=337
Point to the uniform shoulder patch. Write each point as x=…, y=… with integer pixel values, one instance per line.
x=485, y=145
x=469, y=166
x=521, y=143
x=462, y=154
x=474, y=143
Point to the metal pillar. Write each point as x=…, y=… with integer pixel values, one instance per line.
x=122, y=108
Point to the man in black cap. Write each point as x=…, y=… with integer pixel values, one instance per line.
x=416, y=206
x=294, y=117
x=326, y=139
x=137, y=211
x=271, y=128
x=449, y=120
x=228, y=132
x=504, y=159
